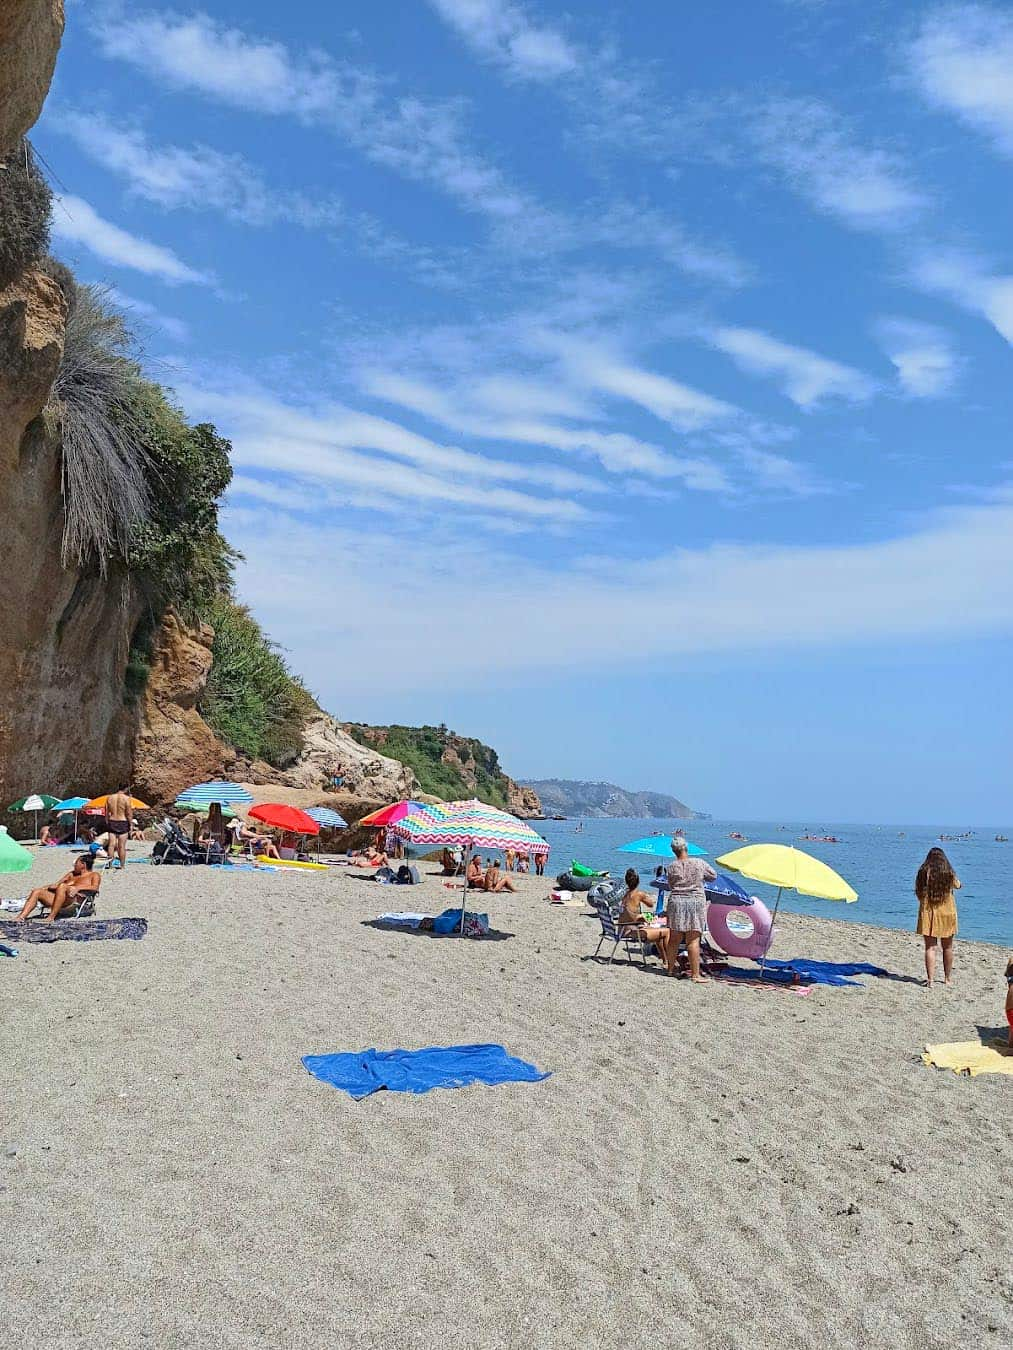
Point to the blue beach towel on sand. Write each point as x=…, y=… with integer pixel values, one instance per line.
x=828, y=972
x=363, y=1072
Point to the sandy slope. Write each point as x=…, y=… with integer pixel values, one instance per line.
x=706, y=1167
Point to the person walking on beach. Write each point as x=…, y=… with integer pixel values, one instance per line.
x=119, y=818
x=1009, y=1000
x=687, y=907
x=937, y=912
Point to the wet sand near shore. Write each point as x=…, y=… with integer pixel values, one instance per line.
x=707, y=1166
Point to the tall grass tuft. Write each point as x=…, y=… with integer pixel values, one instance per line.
x=93, y=403
x=25, y=205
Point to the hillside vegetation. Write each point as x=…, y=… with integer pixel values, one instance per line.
x=447, y=765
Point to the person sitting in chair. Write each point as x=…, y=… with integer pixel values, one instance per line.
x=79, y=883
x=637, y=918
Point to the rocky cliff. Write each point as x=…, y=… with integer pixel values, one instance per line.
x=564, y=797
x=64, y=634
x=450, y=766
x=30, y=33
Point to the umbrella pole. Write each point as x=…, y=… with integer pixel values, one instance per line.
x=464, y=888
x=773, y=919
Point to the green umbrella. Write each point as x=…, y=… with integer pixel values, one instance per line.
x=35, y=801
x=13, y=858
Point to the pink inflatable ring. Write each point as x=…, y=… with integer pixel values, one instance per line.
x=750, y=945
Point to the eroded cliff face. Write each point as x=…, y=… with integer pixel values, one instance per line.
x=30, y=33
x=64, y=635
x=175, y=747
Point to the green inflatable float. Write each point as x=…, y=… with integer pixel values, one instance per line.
x=579, y=870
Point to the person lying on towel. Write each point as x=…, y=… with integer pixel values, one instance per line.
x=78, y=884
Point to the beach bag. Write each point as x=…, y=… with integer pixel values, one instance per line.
x=408, y=876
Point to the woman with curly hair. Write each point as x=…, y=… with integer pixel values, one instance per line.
x=937, y=911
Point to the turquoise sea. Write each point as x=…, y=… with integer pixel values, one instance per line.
x=880, y=862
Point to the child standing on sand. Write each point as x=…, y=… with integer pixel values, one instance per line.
x=1009, y=998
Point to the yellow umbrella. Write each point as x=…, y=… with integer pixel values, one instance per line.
x=789, y=869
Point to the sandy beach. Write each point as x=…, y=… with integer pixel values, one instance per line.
x=706, y=1166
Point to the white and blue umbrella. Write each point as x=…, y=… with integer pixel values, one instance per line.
x=206, y=794
x=323, y=815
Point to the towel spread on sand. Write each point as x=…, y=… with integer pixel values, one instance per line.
x=363, y=1072
x=400, y=920
x=72, y=930
x=828, y=972
x=971, y=1057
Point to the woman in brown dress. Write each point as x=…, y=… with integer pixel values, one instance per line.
x=937, y=911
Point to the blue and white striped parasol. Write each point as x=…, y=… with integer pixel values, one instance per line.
x=323, y=815
x=204, y=794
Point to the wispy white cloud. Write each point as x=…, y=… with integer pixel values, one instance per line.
x=962, y=60
x=922, y=354
x=422, y=140
x=196, y=177
x=968, y=281
x=362, y=451
x=805, y=377
x=724, y=598
x=820, y=157
x=480, y=411
x=505, y=33
x=75, y=222
x=149, y=314
x=594, y=366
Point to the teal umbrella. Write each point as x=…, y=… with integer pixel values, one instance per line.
x=13, y=858
x=72, y=804
x=660, y=846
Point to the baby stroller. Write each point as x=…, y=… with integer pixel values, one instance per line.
x=175, y=849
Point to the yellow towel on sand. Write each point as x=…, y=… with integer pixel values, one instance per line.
x=971, y=1057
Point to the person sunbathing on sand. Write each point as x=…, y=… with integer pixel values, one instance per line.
x=495, y=880
x=79, y=883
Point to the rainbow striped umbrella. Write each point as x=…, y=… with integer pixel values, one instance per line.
x=468, y=825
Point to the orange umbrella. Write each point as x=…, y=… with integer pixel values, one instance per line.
x=98, y=803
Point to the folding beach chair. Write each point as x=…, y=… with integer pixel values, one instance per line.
x=611, y=932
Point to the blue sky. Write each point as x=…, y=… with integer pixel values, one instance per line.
x=628, y=386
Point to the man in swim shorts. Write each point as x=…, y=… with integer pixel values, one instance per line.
x=119, y=818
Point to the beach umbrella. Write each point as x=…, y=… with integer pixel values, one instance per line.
x=13, y=858
x=34, y=802
x=97, y=805
x=789, y=869
x=725, y=891
x=284, y=817
x=390, y=815
x=329, y=819
x=660, y=846
x=468, y=825
x=207, y=794
x=74, y=804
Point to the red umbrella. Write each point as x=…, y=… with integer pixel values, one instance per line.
x=285, y=817
x=389, y=815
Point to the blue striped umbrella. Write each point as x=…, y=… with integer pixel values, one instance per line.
x=204, y=794
x=323, y=815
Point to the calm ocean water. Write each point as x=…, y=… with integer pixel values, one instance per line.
x=877, y=860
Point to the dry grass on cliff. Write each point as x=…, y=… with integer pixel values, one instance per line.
x=93, y=403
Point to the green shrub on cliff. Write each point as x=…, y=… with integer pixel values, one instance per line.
x=423, y=748
x=24, y=214
x=252, y=700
